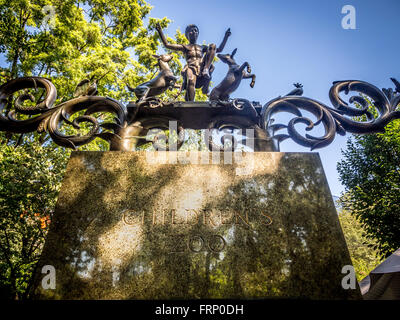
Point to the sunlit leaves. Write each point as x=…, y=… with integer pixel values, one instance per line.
x=30, y=179
x=370, y=171
x=364, y=257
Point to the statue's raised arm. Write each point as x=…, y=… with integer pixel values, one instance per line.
x=223, y=43
x=168, y=45
x=199, y=60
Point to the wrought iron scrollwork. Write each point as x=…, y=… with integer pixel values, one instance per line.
x=386, y=109
x=223, y=127
x=239, y=104
x=340, y=119
x=41, y=109
x=293, y=105
x=92, y=104
x=28, y=104
x=154, y=130
x=49, y=118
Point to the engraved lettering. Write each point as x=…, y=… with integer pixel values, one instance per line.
x=192, y=212
x=227, y=219
x=216, y=243
x=178, y=244
x=239, y=217
x=173, y=211
x=267, y=220
x=212, y=218
x=196, y=243
x=131, y=217
x=175, y=217
x=208, y=219
x=158, y=217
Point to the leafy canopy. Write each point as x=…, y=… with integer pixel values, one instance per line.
x=370, y=171
x=30, y=178
x=363, y=256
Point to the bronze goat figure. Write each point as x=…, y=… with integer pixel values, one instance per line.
x=233, y=78
x=165, y=79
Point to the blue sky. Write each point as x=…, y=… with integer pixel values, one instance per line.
x=297, y=41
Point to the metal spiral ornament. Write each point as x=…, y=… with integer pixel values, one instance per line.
x=385, y=108
x=49, y=118
x=42, y=109
x=340, y=119
x=28, y=104
x=91, y=105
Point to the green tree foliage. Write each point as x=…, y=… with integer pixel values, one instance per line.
x=30, y=178
x=370, y=171
x=364, y=258
x=84, y=39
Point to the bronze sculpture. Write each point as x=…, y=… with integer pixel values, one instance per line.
x=131, y=122
x=390, y=93
x=199, y=67
x=88, y=87
x=397, y=85
x=298, y=91
x=165, y=79
x=233, y=78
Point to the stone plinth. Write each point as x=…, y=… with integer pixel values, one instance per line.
x=136, y=225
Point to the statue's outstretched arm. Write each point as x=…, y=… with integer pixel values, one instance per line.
x=168, y=45
x=223, y=43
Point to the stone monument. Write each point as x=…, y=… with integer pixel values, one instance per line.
x=169, y=224
x=128, y=226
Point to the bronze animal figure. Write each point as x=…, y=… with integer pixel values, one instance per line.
x=390, y=93
x=298, y=91
x=397, y=85
x=233, y=78
x=165, y=79
x=198, y=70
x=88, y=87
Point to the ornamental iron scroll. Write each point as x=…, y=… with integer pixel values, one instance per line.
x=340, y=119
x=49, y=118
x=129, y=125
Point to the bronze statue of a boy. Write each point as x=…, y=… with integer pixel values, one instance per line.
x=199, y=58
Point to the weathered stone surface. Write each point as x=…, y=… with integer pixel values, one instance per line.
x=128, y=228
